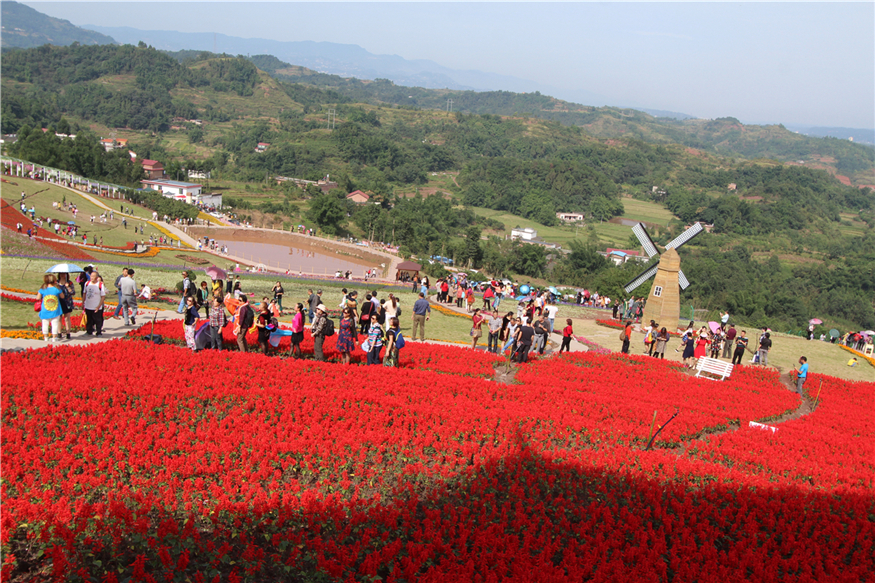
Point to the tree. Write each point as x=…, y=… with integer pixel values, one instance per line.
x=327, y=212
x=529, y=259
x=473, y=252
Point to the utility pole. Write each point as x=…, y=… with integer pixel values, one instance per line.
x=332, y=118
x=449, y=106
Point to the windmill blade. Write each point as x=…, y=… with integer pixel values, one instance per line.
x=645, y=275
x=683, y=282
x=685, y=236
x=645, y=240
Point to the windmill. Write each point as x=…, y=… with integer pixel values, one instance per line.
x=663, y=303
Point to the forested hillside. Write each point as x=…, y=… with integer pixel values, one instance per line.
x=726, y=136
x=788, y=240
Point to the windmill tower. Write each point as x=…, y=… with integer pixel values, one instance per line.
x=664, y=302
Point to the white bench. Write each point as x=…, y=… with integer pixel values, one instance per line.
x=715, y=367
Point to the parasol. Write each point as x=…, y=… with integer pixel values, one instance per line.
x=64, y=268
x=834, y=333
x=815, y=321
x=216, y=273
x=714, y=326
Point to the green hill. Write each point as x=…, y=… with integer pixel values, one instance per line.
x=787, y=240
x=24, y=27
x=724, y=136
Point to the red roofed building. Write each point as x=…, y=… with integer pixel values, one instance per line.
x=621, y=256
x=153, y=169
x=358, y=197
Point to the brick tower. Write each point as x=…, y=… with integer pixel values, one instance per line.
x=664, y=302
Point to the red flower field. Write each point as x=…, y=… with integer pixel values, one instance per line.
x=131, y=461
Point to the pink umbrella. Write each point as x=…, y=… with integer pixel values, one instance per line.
x=714, y=326
x=217, y=273
x=815, y=321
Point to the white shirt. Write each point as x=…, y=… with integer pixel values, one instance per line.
x=145, y=293
x=551, y=311
x=94, y=294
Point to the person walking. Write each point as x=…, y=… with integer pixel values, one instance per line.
x=317, y=331
x=740, y=346
x=94, y=298
x=118, y=290
x=128, y=303
x=190, y=320
x=801, y=374
x=627, y=337
x=346, y=335
x=217, y=322
x=661, y=342
x=375, y=341
x=421, y=314
x=244, y=318
x=567, y=334
x=50, y=308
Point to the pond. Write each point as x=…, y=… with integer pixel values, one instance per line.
x=298, y=259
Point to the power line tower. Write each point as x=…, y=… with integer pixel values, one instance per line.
x=449, y=106
x=332, y=118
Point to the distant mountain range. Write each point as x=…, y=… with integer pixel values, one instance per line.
x=24, y=27
x=345, y=60
x=862, y=136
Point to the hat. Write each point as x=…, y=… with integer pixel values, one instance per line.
x=322, y=308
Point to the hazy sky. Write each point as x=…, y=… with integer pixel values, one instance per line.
x=788, y=62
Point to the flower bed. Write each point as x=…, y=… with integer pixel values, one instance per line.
x=183, y=466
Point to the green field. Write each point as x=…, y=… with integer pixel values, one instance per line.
x=609, y=234
x=646, y=211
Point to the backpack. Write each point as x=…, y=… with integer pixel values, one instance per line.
x=649, y=338
x=329, y=327
x=399, y=340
